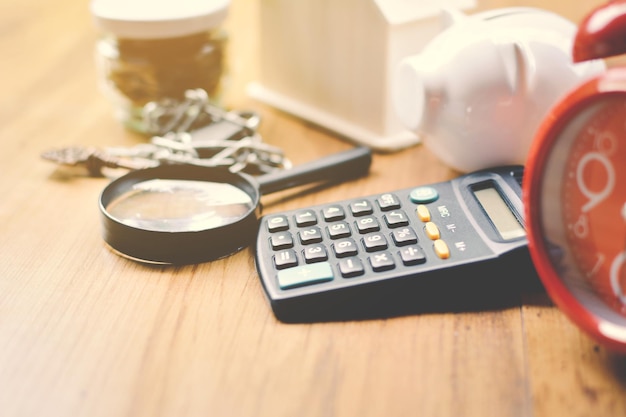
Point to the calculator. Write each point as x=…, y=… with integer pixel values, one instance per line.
x=444, y=246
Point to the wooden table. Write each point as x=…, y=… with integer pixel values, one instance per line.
x=84, y=332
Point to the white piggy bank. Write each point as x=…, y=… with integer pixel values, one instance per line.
x=479, y=90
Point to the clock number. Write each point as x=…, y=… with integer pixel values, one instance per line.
x=594, y=197
x=581, y=227
x=616, y=267
x=605, y=141
x=600, y=261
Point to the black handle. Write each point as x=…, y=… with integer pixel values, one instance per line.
x=340, y=166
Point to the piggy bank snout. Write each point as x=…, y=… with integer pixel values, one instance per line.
x=409, y=92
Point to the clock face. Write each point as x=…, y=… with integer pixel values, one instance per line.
x=575, y=206
x=593, y=198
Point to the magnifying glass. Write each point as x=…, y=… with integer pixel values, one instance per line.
x=184, y=214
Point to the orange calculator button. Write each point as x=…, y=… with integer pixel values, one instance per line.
x=432, y=231
x=423, y=213
x=441, y=249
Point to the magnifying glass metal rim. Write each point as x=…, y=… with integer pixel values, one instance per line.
x=190, y=247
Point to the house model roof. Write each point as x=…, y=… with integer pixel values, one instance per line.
x=398, y=12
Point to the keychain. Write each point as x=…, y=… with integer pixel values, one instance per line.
x=192, y=132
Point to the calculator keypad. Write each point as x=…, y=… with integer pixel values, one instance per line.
x=354, y=238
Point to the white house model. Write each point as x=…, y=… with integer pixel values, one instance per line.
x=332, y=62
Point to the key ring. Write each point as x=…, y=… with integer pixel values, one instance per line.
x=193, y=112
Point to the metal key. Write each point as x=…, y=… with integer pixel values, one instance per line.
x=94, y=159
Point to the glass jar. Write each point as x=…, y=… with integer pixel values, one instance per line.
x=150, y=50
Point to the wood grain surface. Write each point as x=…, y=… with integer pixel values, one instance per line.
x=84, y=332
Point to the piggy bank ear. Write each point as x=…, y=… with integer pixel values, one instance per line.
x=450, y=16
x=518, y=63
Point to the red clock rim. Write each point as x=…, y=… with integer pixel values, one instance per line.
x=611, y=83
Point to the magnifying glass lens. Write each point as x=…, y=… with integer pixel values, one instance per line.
x=176, y=205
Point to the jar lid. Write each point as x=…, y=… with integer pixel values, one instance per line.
x=150, y=19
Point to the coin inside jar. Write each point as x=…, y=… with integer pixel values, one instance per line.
x=149, y=51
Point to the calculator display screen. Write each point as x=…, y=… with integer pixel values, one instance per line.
x=499, y=212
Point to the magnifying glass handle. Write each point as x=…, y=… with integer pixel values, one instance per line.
x=340, y=166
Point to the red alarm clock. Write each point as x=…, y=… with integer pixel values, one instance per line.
x=575, y=189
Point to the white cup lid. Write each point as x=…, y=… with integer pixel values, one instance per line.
x=149, y=19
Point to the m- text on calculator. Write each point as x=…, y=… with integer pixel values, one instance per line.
x=444, y=246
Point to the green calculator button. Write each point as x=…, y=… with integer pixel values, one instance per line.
x=423, y=195
x=305, y=275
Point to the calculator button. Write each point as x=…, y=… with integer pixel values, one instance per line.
x=344, y=248
x=315, y=253
x=339, y=230
x=333, y=213
x=441, y=249
x=388, y=202
x=310, y=235
x=285, y=259
x=404, y=236
x=423, y=213
x=361, y=208
x=412, y=255
x=305, y=275
x=351, y=267
x=375, y=242
x=367, y=224
x=281, y=240
x=277, y=223
x=396, y=218
x=305, y=218
x=432, y=231
x=423, y=195
x=382, y=261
